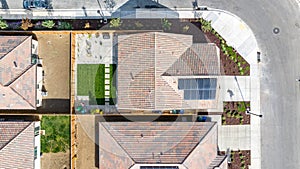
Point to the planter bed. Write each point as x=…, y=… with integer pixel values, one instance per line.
x=60, y=24
x=240, y=159
x=234, y=113
x=230, y=66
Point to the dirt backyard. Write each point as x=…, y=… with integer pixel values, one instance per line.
x=55, y=160
x=87, y=150
x=54, y=50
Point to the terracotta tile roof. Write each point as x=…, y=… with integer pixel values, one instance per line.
x=8, y=43
x=199, y=59
x=145, y=60
x=9, y=130
x=158, y=142
x=16, y=144
x=17, y=73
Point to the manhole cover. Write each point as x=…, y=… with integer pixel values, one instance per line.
x=276, y=30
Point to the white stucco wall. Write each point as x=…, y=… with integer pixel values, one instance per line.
x=37, y=143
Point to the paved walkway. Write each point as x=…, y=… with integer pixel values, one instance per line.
x=94, y=48
x=235, y=88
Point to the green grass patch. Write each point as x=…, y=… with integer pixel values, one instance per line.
x=113, y=68
x=57, y=134
x=90, y=82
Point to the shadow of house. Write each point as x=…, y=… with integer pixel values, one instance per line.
x=55, y=106
x=144, y=9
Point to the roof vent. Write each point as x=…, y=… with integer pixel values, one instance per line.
x=132, y=78
x=15, y=63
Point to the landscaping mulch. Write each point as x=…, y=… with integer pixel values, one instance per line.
x=228, y=66
x=235, y=113
x=240, y=159
x=177, y=27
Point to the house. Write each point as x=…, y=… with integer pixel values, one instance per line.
x=20, y=144
x=157, y=145
x=165, y=71
x=20, y=73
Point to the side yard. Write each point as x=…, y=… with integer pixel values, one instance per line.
x=54, y=50
x=55, y=143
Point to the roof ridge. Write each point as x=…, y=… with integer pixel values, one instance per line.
x=22, y=97
x=204, y=136
x=16, y=136
x=17, y=77
x=117, y=141
x=15, y=47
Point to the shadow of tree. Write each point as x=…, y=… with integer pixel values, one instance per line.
x=4, y=4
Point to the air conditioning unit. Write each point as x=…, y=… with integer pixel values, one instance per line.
x=42, y=132
x=44, y=93
x=34, y=47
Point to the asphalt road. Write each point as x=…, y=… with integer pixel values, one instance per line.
x=280, y=66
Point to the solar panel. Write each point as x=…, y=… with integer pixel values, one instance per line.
x=200, y=84
x=194, y=94
x=194, y=84
x=213, y=82
x=180, y=84
x=187, y=94
x=187, y=84
x=199, y=88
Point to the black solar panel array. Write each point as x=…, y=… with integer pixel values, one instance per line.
x=198, y=89
x=159, y=167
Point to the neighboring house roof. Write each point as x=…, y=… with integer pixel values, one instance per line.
x=150, y=64
x=17, y=73
x=125, y=144
x=16, y=144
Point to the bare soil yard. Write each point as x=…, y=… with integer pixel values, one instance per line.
x=56, y=160
x=87, y=150
x=54, y=49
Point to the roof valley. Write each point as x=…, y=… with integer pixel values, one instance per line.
x=18, y=76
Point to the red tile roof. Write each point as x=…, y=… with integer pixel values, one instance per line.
x=149, y=65
x=17, y=73
x=157, y=142
x=16, y=144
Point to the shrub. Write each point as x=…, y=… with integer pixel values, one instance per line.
x=87, y=25
x=64, y=26
x=206, y=25
x=26, y=23
x=48, y=24
x=138, y=24
x=166, y=25
x=3, y=24
x=185, y=28
x=115, y=23
x=15, y=25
